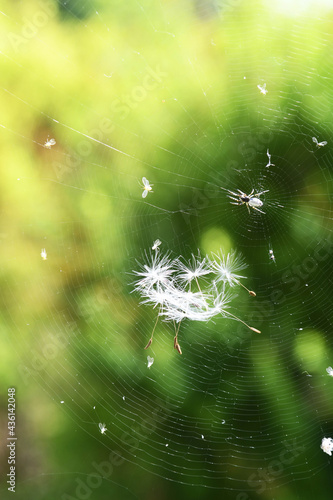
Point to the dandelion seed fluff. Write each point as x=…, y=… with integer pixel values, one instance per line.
x=166, y=283
x=193, y=270
x=155, y=273
x=226, y=268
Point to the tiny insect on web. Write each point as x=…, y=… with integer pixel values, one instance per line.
x=102, y=428
x=319, y=144
x=269, y=164
x=146, y=187
x=49, y=143
x=262, y=89
x=156, y=244
x=150, y=361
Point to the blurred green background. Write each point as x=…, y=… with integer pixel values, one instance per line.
x=166, y=90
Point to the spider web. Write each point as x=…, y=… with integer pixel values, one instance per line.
x=169, y=91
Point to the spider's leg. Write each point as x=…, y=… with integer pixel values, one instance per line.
x=254, y=208
x=235, y=199
x=248, y=208
x=231, y=203
x=231, y=192
x=262, y=192
x=241, y=192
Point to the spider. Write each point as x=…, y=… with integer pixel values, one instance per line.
x=250, y=200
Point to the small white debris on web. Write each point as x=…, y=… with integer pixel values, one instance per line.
x=62, y=402
x=49, y=143
x=319, y=144
x=327, y=445
x=150, y=361
x=271, y=255
x=202, y=436
x=167, y=445
x=330, y=371
x=102, y=428
x=262, y=89
x=43, y=254
x=123, y=398
x=156, y=244
x=269, y=164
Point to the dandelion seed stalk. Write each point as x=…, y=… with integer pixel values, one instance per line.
x=235, y=317
x=253, y=294
x=150, y=341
